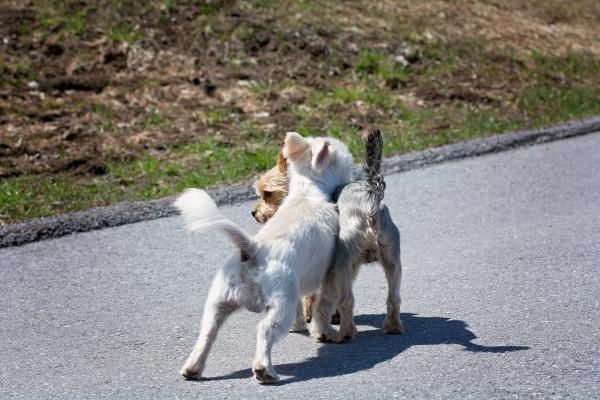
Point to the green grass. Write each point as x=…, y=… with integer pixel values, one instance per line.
x=199, y=164
x=124, y=31
x=20, y=196
x=563, y=88
x=64, y=20
x=154, y=118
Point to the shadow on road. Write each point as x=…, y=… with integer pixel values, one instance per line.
x=371, y=347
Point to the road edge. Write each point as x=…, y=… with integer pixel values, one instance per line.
x=135, y=211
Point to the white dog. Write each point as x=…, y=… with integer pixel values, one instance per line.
x=286, y=259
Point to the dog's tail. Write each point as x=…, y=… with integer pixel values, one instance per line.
x=201, y=214
x=375, y=182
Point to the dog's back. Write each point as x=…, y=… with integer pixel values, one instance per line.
x=364, y=219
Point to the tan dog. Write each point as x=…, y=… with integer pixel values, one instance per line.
x=272, y=188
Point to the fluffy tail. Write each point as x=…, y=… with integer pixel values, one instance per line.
x=201, y=214
x=375, y=182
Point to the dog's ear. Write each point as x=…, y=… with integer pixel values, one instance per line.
x=295, y=146
x=321, y=156
x=281, y=163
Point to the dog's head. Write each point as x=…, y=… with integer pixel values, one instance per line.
x=309, y=155
x=272, y=188
x=324, y=160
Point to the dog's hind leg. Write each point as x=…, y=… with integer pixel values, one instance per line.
x=393, y=273
x=299, y=324
x=346, y=308
x=389, y=256
x=216, y=310
x=321, y=328
x=282, y=310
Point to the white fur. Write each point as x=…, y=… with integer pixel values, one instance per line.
x=287, y=258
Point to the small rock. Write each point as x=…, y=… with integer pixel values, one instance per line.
x=33, y=85
x=428, y=37
x=399, y=59
x=260, y=114
x=247, y=83
x=356, y=30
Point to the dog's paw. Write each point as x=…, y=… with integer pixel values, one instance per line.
x=328, y=334
x=298, y=326
x=392, y=325
x=347, y=334
x=264, y=375
x=190, y=373
x=324, y=338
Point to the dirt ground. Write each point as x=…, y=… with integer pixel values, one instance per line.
x=89, y=84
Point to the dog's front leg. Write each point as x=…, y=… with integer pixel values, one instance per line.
x=216, y=310
x=273, y=327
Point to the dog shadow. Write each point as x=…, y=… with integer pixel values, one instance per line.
x=371, y=347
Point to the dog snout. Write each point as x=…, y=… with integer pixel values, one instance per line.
x=253, y=212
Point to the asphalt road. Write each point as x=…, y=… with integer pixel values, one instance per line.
x=501, y=296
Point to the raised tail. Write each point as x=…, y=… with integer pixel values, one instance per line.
x=202, y=214
x=375, y=182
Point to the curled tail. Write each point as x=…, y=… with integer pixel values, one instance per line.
x=375, y=182
x=202, y=214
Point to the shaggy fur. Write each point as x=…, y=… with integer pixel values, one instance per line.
x=271, y=188
x=367, y=234
x=286, y=259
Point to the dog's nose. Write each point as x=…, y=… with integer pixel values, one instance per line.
x=253, y=213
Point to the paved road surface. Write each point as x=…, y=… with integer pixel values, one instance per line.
x=501, y=298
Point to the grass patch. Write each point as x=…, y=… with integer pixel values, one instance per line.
x=64, y=20
x=37, y=196
x=154, y=118
x=124, y=31
x=198, y=164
